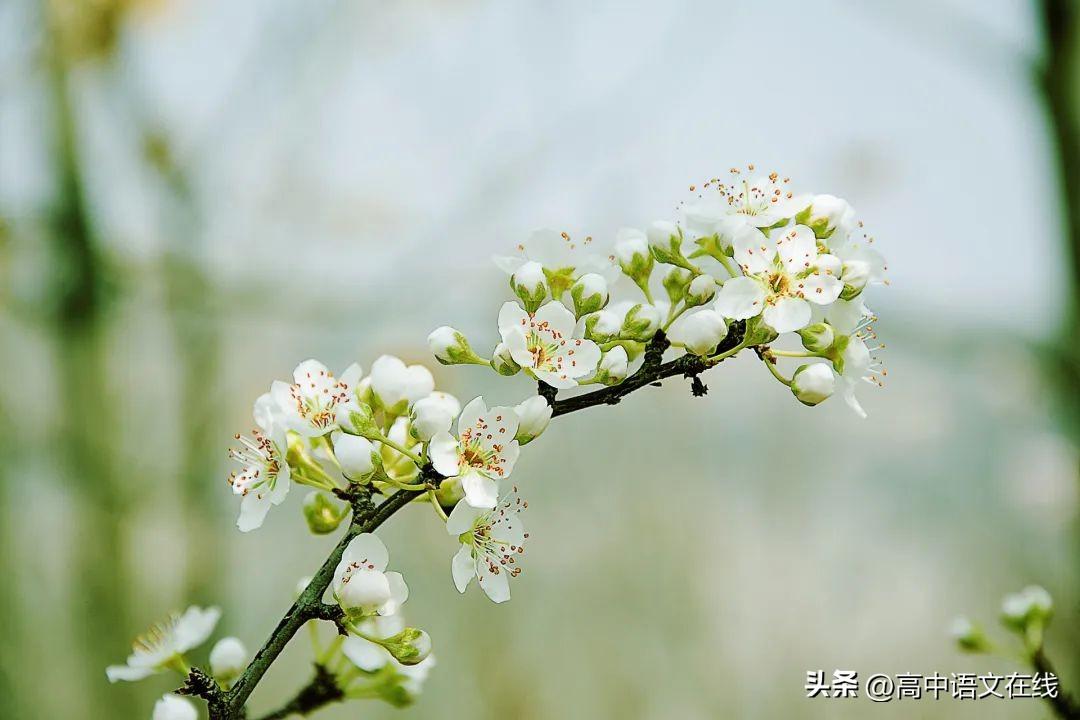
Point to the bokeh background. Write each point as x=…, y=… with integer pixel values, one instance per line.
x=196, y=195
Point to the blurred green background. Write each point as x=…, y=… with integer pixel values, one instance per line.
x=194, y=196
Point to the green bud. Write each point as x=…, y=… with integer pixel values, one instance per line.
x=590, y=294
x=450, y=347
x=968, y=636
x=529, y=283
x=633, y=256
x=758, y=333
x=641, y=323
x=613, y=366
x=602, y=327
x=818, y=337
x=502, y=362
x=323, y=515
x=362, y=423
x=701, y=290
x=665, y=243
x=676, y=282
x=1028, y=610
x=409, y=647
x=813, y=384
x=559, y=281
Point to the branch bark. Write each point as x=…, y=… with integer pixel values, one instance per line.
x=1063, y=705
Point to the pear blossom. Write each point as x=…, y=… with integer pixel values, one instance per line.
x=361, y=585
x=483, y=453
x=828, y=214
x=530, y=284
x=264, y=480
x=490, y=541
x=602, y=326
x=783, y=276
x=589, y=293
x=174, y=707
x=723, y=208
x=433, y=414
x=533, y=415
x=544, y=343
x=165, y=643
x=861, y=264
x=502, y=361
x=355, y=454
x=397, y=385
x=366, y=654
x=854, y=362
x=813, y=384
x=451, y=347
x=558, y=253
x=311, y=401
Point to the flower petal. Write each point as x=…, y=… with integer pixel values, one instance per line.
x=368, y=551
x=555, y=319
x=797, y=248
x=365, y=654
x=740, y=298
x=787, y=314
x=443, y=450
x=480, y=490
x=462, y=518
x=496, y=584
x=754, y=252
x=463, y=568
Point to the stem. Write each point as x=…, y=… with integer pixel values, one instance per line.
x=772, y=368
x=1064, y=705
x=403, y=450
x=793, y=353
x=229, y=705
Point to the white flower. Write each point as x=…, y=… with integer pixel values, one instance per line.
x=502, y=362
x=603, y=326
x=360, y=583
x=490, y=541
x=559, y=253
x=264, y=481
x=354, y=454
x=483, y=453
x=533, y=414
x=631, y=249
x=228, y=658
x=433, y=414
x=613, y=366
x=530, y=284
x=782, y=278
x=544, y=343
x=828, y=213
x=813, y=384
x=589, y=293
x=640, y=321
x=451, y=347
x=174, y=707
x=724, y=208
x=701, y=290
x=397, y=385
x=862, y=265
x=165, y=643
x=699, y=332
x=857, y=363
x=311, y=401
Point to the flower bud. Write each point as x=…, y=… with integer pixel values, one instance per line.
x=409, y=647
x=813, y=384
x=665, y=242
x=364, y=590
x=1032, y=604
x=534, y=415
x=758, y=332
x=855, y=274
x=450, y=347
x=613, y=366
x=701, y=290
x=228, y=659
x=357, y=455
x=433, y=414
x=530, y=284
x=603, y=326
x=633, y=256
x=174, y=707
x=590, y=293
x=323, y=515
x=641, y=322
x=396, y=385
x=825, y=214
x=968, y=636
x=676, y=282
x=699, y=333
x=818, y=337
x=502, y=362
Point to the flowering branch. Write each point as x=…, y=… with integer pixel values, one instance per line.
x=750, y=263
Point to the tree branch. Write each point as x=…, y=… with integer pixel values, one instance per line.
x=229, y=705
x=321, y=691
x=1064, y=706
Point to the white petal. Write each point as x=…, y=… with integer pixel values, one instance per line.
x=819, y=288
x=556, y=380
x=195, y=626
x=462, y=518
x=365, y=654
x=309, y=371
x=740, y=298
x=787, y=314
x=127, y=673
x=508, y=263
x=555, y=319
x=480, y=490
x=443, y=450
x=253, y=509
x=512, y=315
x=471, y=414
x=754, y=252
x=496, y=585
x=399, y=593
x=463, y=568
x=797, y=248
x=368, y=551
x=517, y=344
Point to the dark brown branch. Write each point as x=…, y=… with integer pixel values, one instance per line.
x=1064, y=706
x=323, y=690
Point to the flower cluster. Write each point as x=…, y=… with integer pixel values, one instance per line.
x=746, y=263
